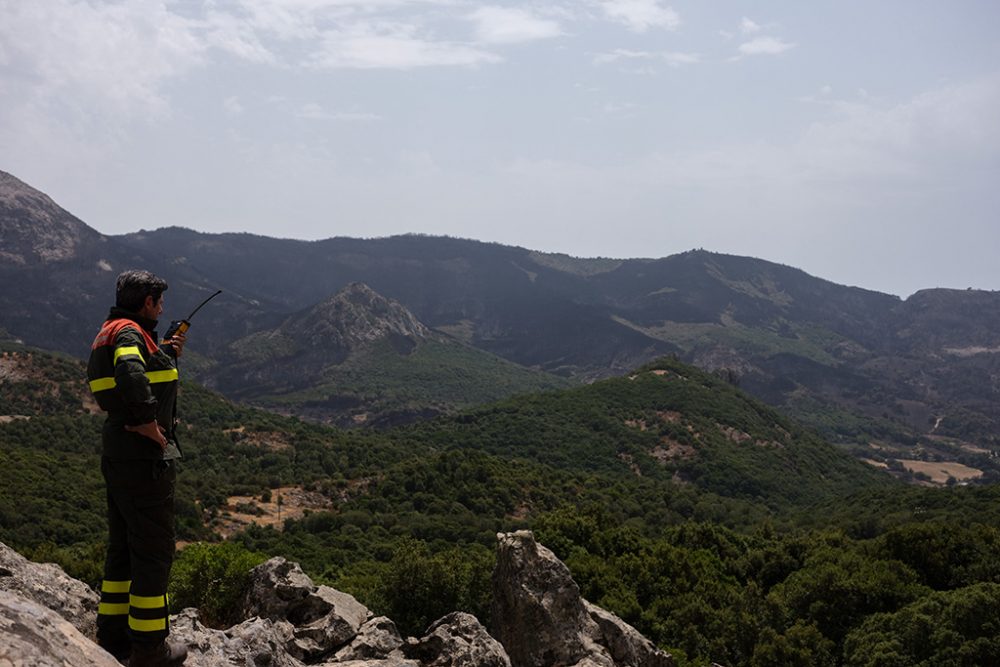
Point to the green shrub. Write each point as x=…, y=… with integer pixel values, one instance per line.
x=214, y=578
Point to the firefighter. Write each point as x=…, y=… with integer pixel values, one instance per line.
x=134, y=380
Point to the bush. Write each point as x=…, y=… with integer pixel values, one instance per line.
x=418, y=588
x=214, y=578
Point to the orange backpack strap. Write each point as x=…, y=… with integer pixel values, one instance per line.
x=110, y=330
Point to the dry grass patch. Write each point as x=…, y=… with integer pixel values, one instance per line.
x=241, y=511
x=940, y=471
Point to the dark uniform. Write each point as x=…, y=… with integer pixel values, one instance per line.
x=135, y=381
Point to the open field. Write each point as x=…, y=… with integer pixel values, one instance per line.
x=940, y=471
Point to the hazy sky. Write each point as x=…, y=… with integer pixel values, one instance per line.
x=859, y=141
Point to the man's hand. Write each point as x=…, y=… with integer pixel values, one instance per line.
x=177, y=341
x=151, y=430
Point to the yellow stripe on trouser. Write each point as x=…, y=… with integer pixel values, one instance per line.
x=144, y=625
x=148, y=602
x=112, y=608
x=154, y=377
x=115, y=586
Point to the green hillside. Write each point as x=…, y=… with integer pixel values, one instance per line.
x=379, y=385
x=719, y=528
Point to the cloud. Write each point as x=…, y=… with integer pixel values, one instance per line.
x=678, y=59
x=237, y=37
x=671, y=58
x=313, y=111
x=934, y=137
x=641, y=15
x=508, y=25
x=392, y=46
x=765, y=46
x=748, y=27
x=233, y=106
x=96, y=59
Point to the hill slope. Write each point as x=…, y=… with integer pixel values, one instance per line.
x=662, y=490
x=358, y=357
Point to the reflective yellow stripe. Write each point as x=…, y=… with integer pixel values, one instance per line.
x=144, y=625
x=112, y=608
x=145, y=602
x=115, y=586
x=130, y=350
x=102, y=384
x=162, y=376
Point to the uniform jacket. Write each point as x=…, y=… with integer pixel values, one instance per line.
x=134, y=380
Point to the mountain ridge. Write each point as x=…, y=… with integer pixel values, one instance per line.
x=862, y=366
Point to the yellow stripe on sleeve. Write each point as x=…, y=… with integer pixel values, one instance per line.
x=162, y=376
x=127, y=351
x=103, y=384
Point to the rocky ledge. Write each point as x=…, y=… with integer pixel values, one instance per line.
x=541, y=621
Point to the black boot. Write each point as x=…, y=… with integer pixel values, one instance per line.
x=160, y=654
x=119, y=651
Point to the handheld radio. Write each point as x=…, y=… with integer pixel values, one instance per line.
x=182, y=326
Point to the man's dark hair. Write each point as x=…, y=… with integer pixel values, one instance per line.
x=134, y=286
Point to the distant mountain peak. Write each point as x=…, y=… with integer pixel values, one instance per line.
x=354, y=316
x=34, y=228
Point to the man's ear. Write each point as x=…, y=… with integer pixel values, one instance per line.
x=149, y=303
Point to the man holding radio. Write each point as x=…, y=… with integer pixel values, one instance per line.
x=134, y=379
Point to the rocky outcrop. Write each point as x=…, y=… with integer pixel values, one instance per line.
x=542, y=620
x=457, y=640
x=32, y=635
x=253, y=643
x=34, y=228
x=50, y=587
x=320, y=619
x=376, y=640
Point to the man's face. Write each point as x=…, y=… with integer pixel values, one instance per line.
x=152, y=309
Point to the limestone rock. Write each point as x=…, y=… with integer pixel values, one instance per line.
x=457, y=640
x=35, y=636
x=625, y=644
x=257, y=642
x=50, y=587
x=394, y=659
x=275, y=587
x=376, y=640
x=322, y=619
x=542, y=621
x=537, y=609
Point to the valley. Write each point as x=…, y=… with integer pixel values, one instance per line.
x=749, y=464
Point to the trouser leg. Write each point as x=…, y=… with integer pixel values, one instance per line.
x=143, y=493
x=112, y=613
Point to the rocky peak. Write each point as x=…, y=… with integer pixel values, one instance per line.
x=541, y=621
x=354, y=316
x=33, y=228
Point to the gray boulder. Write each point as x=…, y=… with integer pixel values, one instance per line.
x=322, y=619
x=394, y=659
x=625, y=644
x=542, y=621
x=257, y=642
x=457, y=640
x=376, y=640
x=538, y=613
x=35, y=636
x=50, y=587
